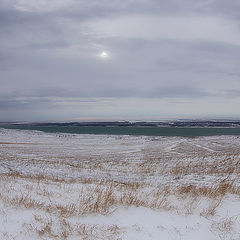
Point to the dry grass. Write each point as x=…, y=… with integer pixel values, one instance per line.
x=49, y=228
x=64, y=199
x=211, y=209
x=94, y=231
x=217, y=189
x=224, y=228
x=92, y=198
x=99, y=184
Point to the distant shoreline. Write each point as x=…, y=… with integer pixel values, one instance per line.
x=170, y=123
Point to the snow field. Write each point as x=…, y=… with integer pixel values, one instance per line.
x=64, y=186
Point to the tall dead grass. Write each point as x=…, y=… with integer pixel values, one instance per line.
x=64, y=199
x=61, y=229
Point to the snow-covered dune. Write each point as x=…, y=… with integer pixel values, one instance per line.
x=69, y=186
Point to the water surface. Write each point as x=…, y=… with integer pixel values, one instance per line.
x=132, y=130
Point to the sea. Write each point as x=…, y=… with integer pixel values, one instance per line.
x=185, y=129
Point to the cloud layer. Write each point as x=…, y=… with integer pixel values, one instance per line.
x=167, y=59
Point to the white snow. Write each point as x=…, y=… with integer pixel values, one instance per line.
x=64, y=161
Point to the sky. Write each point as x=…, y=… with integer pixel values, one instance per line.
x=76, y=60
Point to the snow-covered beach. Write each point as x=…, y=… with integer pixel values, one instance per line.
x=73, y=186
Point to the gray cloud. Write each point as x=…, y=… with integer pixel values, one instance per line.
x=231, y=93
x=50, y=56
x=50, y=44
x=13, y=104
x=56, y=97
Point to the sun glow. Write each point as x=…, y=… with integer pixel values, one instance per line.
x=104, y=55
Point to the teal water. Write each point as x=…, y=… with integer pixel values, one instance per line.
x=123, y=130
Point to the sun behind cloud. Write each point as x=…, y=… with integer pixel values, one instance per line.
x=104, y=55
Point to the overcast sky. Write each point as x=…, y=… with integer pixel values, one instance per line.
x=110, y=59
